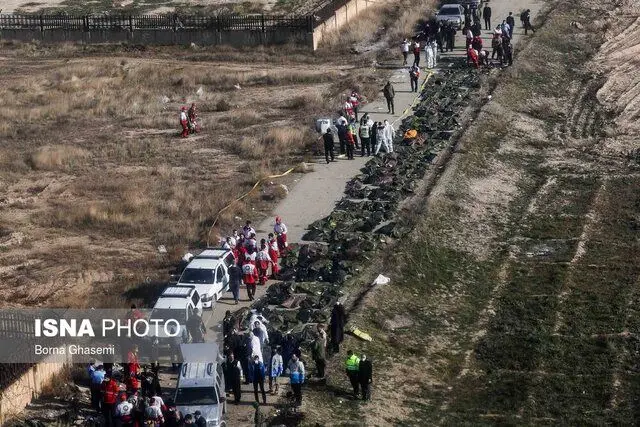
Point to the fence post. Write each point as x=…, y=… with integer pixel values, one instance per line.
x=41, y=24
x=175, y=22
x=262, y=22
x=218, y=27
x=130, y=24
x=85, y=22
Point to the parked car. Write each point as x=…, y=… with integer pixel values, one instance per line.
x=200, y=384
x=178, y=303
x=208, y=272
x=452, y=14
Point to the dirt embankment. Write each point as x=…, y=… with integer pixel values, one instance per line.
x=520, y=281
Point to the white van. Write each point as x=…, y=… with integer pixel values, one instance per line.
x=200, y=384
x=208, y=272
x=176, y=303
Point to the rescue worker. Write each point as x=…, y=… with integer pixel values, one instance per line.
x=233, y=369
x=472, y=56
x=276, y=370
x=235, y=280
x=328, y=145
x=355, y=99
x=250, y=278
x=365, y=376
x=262, y=262
x=527, y=21
x=192, y=115
x=296, y=377
x=431, y=51
x=389, y=93
x=404, y=47
x=365, y=140
x=153, y=414
x=184, y=122
x=280, y=230
x=110, y=391
x=348, y=108
x=414, y=76
x=274, y=253
x=416, y=52
x=351, y=367
x=258, y=376
x=476, y=43
x=133, y=366
x=486, y=14
x=379, y=137
x=124, y=412
x=389, y=134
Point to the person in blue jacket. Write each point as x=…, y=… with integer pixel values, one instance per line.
x=296, y=377
x=257, y=374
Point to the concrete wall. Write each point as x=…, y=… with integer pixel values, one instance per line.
x=28, y=386
x=340, y=17
x=237, y=38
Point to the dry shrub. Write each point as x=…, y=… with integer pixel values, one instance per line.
x=223, y=105
x=52, y=157
x=306, y=101
x=282, y=139
x=243, y=118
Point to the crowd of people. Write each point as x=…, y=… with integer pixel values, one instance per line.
x=189, y=120
x=365, y=135
x=133, y=397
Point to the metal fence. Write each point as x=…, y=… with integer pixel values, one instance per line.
x=154, y=22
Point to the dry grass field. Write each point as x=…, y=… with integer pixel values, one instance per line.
x=95, y=178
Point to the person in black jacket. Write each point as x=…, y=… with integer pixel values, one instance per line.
x=338, y=320
x=365, y=377
x=512, y=24
x=328, y=145
x=486, y=14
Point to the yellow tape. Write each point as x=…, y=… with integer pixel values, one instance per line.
x=242, y=197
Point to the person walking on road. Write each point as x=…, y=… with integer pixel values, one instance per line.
x=414, y=76
x=416, y=52
x=389, y=134
x=352, y=365
x=486, y=14
x=196, y=327
x=276, y=370
x=235, y=280
x=404, y=46
x=280, y=229
x=258, y=375
x=365, y=377
x=250, y=279
x=328, y=145
x=233, y=376
x=389, y=93
x=512, y=24
x=527, y=22
x=450, y=37
x=296, y=377
x=274, y=253
x=373, y=135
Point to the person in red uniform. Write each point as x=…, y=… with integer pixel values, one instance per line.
x=281, y=231
x=184, y=122
x=249, y=256
x=192, y=115
x=262, y=262
x=133, y=366
x=273, y=254
x=250, y=278
x=473, y=56
x=110, y=390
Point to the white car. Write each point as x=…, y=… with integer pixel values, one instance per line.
x=177, y=303
x=208, y=272
x=452, y=14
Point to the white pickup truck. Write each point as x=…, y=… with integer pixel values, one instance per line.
x=208, y=272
